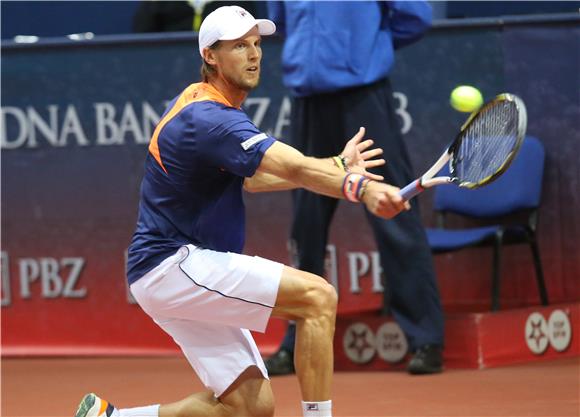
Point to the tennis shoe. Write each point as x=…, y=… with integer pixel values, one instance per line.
x=93, y=406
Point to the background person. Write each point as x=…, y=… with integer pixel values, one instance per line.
x=336, y=60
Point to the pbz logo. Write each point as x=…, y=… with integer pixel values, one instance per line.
x=557, y=332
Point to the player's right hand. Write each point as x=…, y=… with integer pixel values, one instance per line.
x=359, y=157
x=383, y=200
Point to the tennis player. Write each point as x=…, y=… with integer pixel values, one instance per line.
x=185, y=266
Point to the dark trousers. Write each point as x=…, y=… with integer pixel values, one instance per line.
x=321, y=125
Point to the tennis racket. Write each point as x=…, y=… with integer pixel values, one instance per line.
x=483, y=150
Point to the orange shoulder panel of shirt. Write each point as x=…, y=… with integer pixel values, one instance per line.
x=194, y=93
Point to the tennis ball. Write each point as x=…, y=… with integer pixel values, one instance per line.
x=466, y=99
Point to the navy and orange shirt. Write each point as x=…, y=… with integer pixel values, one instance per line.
x=200, y=153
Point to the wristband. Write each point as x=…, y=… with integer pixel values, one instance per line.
x=339, y=162
x=344, y=162
x=351, y=187
x=363, y=188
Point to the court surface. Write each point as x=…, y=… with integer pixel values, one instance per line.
x=53, y=387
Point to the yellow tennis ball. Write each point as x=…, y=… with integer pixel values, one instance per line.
x=466, y=99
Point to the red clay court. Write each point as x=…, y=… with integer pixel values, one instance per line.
x=53, y=387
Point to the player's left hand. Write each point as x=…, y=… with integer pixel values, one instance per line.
x=358, y=158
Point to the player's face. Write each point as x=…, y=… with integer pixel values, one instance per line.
x=238, y=61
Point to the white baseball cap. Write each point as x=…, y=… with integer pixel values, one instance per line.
x=228, y=23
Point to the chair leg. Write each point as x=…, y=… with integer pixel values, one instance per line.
x=495, y=284
x=539, y=270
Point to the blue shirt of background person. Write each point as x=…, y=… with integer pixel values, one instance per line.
x=375, y=30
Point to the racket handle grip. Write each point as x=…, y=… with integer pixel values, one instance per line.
x=411, y=190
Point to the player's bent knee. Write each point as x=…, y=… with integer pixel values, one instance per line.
x=250, y=395
x=324, y=300
x=331, y=298
x=304, y=296
x=263, y=407
x=257, y=403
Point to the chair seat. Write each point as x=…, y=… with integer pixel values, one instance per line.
x=442, y=240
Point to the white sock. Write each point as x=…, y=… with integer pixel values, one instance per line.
x=317, y=408
x=149, y=411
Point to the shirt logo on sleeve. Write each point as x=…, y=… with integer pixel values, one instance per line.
x=253, y=140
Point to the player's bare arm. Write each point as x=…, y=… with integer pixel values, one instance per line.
x=315, y=174
x=356, y=156
x=264, y=182
x=319, y=176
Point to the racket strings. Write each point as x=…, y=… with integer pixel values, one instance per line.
x=487, y=143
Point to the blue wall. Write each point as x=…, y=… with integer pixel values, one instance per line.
x=77, y=116
x=59, y=18
x=459, y=9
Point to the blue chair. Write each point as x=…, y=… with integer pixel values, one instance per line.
x=516, y=194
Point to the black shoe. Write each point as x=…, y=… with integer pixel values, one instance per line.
x=280, y=363
x=428, y=359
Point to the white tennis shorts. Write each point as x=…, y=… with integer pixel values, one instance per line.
x=207, y=301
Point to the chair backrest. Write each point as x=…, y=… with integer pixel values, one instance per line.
x=520, y=187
